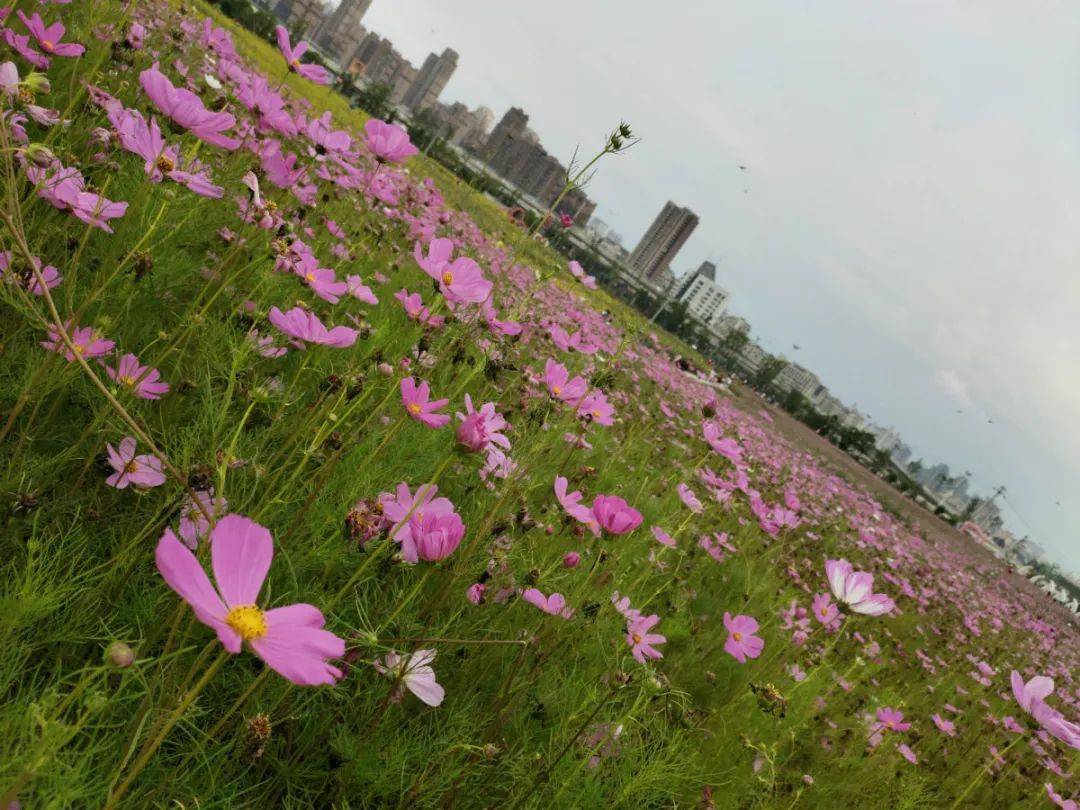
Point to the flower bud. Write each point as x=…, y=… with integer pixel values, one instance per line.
x=119, y=655
x=571, y=559
x=37, y=82
x=40, y=156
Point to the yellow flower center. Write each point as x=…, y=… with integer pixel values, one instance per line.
x=79, y=348
x=596, y=414
x=556, y=389
x=47, y=44
x=414, y=408
x=248, y=621
x=310, y=276
x=165, y=164
x=637, y=638
x=131, y=467
x=737, y=635
x=448, y=278
x=127, y=380
x=295, y=63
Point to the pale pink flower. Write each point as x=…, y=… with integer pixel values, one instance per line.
x=413, y=672
x=642, y=642
x=742, y=643
x=143, y=382
x=419, y=405
x=142, y=471
x=853, y=589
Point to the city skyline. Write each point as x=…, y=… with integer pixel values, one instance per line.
x=851, y=176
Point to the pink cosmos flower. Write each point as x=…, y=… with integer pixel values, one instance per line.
x=642, y=642
x=479, y=429
x=414, y=307
x=571, y=559
x=64, y=188
x=462, y=282
x=595, y=407
x=436, y=536
x=305, y=327
x=724, y=446
x=571, y=504
x=26, y=278
x=554, y=604
x=187, y=109
x=313, y=73
x=143, y=382
x=475, y=594
x=561, y=386
x=418, y=403
x=290, y=640
x=194, y=525
x=741, y=642
x=145, y=140
x=361, y=292
x=437, y=258
x=1059, y=800
x=20, y=43
x=389, y=143
x=853, y=589
x=891, y=720
x=946, y=727
x=614, y=515
x=689, y=499
x=142, y=471
x=1031, y=697
x=824, y=610
x=413, y=672
x=48, y=37
x=907, y=753
x=663, y=537
x=86, y=340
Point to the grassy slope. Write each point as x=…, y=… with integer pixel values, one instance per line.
x=78, y=567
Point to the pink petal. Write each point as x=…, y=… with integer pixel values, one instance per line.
x=241, y=552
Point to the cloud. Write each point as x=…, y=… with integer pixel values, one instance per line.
x=954, y=386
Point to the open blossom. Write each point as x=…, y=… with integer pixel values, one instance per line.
x=419, y=405
x=642, y=642
x=907, y=753
x=194, y=522
x=741, y=642
x=143, y=138
x=479, y=429
x=64, y=188
x=690, y=499
x=130, y=469
x=560, y=384
x=313, y=73
x=290, y=640
x=571, y=504
x=26, y=278
x=946, y=727
x=305, y=327
x=554, y=604
x=1031, y=697
x=86, y=340
x=853, y=589
x=595, y=407
x=413, y=672
x=143, y=382
x=361, y=292
x=724, y=446
x=426, y=527
x=187, y=109
x=475, y=593
x=462, y=282
x=389, y=143
x=614, y=515
x=891, y=720
x=414, y=307
x=663, y=537
x=48, y=37
x=825, y=611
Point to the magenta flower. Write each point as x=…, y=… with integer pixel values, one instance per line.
x=412, y=672
x=561, y=386
x=596, y=408
x=290, y=640
x=313, y=73
x=143, y=382
x=144, y=139
x=463, y=282
x=571, y=504
x=187, y=110
x=824, y=610
x=389, y=143
x=690, y=499
x=1031, y=697
x=726, y=447
x=614, y=515
x=571, y=559
x=64, y=188
x=946, y=727
x=436, y=536
x=419, y=405
x=642, y=642
x=475, y=593
x=194, y=525
x=853, y=589
x=305, y=327
x=26, y=278
x=554, y=604
x=86, y=340
x=662, y=537
x=741, y=642
x=141, y=471
x=48, y=37
x=907, y=753
x=437, y=259
x=479, y=429
x=20, y=43
x=891, y=720
x=355, y=287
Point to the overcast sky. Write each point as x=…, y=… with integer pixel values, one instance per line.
x=909, y=214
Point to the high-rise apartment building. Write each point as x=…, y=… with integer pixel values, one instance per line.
x=301, y=16
x=430, y=80
x=667, y=234
x=341, y=32
x=703, y=297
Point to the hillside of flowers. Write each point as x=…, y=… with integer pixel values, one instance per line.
x=319, y=493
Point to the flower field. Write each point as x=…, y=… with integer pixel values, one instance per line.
x=328, y=485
